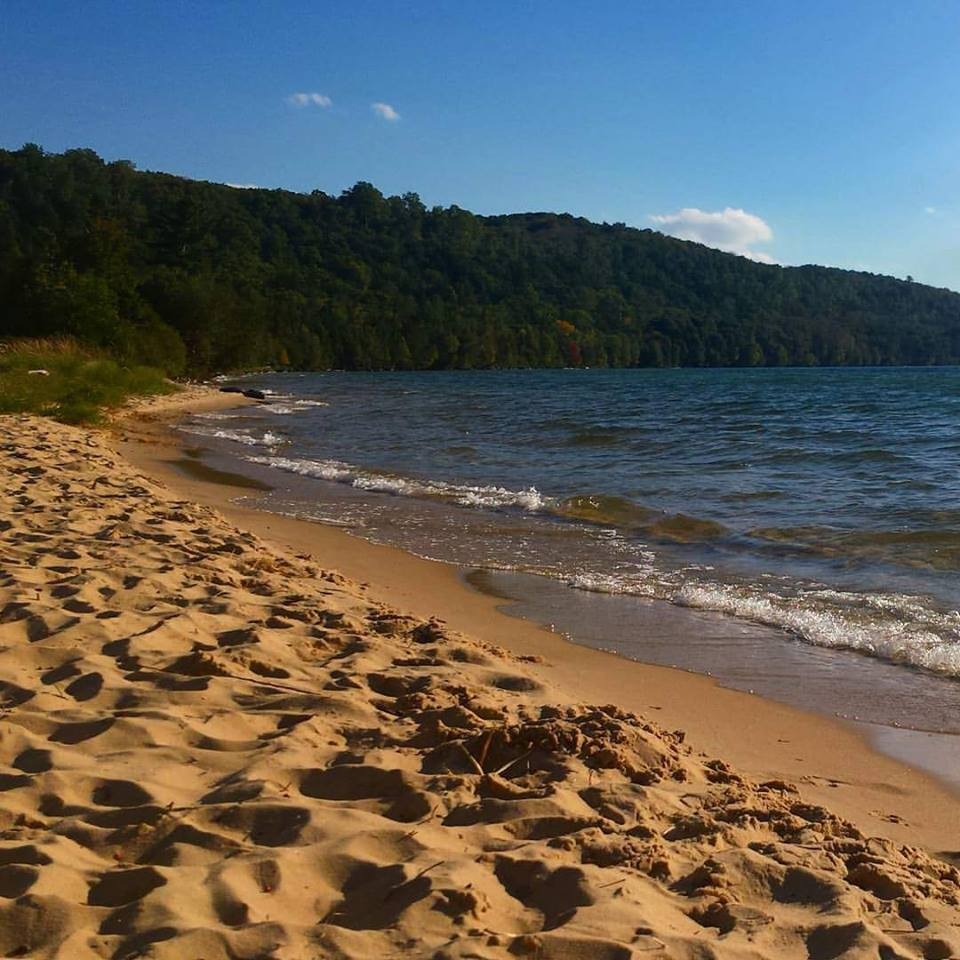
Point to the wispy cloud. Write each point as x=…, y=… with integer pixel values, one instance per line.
x=931, y=211
x=310, y=100
x=243, y=186
x=385, y=110
x=731, y=229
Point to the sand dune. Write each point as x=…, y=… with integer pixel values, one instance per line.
x=211, y=749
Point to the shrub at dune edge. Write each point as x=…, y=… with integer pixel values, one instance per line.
x=58, y=378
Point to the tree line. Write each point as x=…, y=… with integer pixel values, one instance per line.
x=200, y=277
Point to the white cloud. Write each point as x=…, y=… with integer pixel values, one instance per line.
x=730, y=229
x=385, y=110
x=310, y=100
x=243, y=186
x=757, y=255
x=933, y=211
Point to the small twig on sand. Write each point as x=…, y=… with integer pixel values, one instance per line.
x=425, y=870
x=508, y=765
x=413, y=879
x=485, y=749
x=471, y=758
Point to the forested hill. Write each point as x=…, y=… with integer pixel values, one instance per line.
x=200, y=277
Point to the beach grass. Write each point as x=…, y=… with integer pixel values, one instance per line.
x=57, y=377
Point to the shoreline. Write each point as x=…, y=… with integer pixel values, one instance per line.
x=834, y=761
x=231, y=735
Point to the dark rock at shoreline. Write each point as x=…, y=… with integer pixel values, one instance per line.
x=249, y=392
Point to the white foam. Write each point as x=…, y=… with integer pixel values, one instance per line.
x=296, y=406
x=321, y=469
x=896, y=627
x=530, y=499
x=609, y=583
x=266, y=439
x=463, y=495
x=929, y=640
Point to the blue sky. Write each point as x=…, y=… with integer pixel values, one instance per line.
x=806, y=132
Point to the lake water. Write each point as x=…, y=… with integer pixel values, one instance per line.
x=799, y=521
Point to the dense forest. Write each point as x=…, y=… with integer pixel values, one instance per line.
x=200, y=277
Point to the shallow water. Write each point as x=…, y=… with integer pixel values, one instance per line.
x=822, y=503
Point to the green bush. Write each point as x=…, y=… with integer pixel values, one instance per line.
x=78, y=386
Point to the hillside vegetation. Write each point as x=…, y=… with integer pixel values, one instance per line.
x=200, y=277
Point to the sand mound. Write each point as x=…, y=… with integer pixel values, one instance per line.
x=212, y=750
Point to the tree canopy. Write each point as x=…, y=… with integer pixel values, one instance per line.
x=201, y=277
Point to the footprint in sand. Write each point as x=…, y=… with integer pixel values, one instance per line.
x=120, y=793
x=268, y=825
x=16, y=879
x=33, y=760
x=73, y=733
x=86, y=687
x=120, y=887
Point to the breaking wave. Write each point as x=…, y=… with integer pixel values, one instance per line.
x=900, y=628
x=464, y=495
x=267, y=439
x=288, y=405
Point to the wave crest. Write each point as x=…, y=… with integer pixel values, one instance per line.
x=464, y=495
x=267, y=439
x=895, y=627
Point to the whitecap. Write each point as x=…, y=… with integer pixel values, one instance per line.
x=895, y=627
x=464, y=495
x=267, y=439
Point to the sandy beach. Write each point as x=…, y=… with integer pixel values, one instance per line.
x=227, y=734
